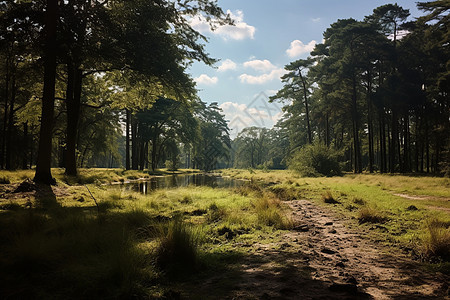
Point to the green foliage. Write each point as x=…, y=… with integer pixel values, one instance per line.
x=316, y=160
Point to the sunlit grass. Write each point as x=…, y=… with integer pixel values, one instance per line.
x=374, y=199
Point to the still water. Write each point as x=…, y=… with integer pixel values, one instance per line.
x=173, y=181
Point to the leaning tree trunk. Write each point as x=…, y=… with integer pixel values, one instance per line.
x=43, y=167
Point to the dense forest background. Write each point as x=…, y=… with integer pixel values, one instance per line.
x=104, y=84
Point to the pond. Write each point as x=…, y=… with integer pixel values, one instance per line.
x=173, y=181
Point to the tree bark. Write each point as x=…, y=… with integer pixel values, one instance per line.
x=25, y=146
x=127, y=139
x=73, y=116
x=305, y=95
x=9, y=132
x=5, y=115
x=394, y=141
x=43, y=167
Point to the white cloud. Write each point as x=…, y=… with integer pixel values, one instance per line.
x=240, y=31
x=315, y=20
x=260, y=65
x=241, y=116
x=206, y=80
x=227, y=64
x=297, y=48
x=261, y=79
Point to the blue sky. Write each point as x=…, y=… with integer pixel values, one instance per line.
x=267, y=36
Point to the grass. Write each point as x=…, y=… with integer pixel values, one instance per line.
x=435, y=242
x=133, y=245
x=371, y=215
x=374, y=199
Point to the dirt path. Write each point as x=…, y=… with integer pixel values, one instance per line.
x=323, y=259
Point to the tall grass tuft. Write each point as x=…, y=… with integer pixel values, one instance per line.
x=4, y=180
x=435, y=243
x=370, y=215
x=328, y=198
x=177, y=248
x=269, y=212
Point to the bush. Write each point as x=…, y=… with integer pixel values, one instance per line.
x=316, y=160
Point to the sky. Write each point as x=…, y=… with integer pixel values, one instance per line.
x=267, y=36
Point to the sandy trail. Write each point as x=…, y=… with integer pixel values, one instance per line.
x=324, y=259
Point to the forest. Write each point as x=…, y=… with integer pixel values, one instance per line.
x=375, y=92
x=118, y=181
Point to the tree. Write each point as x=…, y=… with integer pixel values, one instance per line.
x=251, y=147
x=43, y=166
x=296, y=83
x=215, y=143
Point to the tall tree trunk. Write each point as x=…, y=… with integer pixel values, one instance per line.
x=73, y=117
x=406, y=144
x=127, y=139
x=394, y=141
x=43, y=167
x=9, y=132
x=305, y=95
x=358, y=157
x=5, y=114
x=382, y=142
x=25, y=146
x=369, y=123
x=134, y=145
x=427, y=145
x=327, y=130
x=154, y=150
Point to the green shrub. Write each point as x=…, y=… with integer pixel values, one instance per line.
x=315, y=160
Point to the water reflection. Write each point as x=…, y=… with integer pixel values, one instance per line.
x=172, y=181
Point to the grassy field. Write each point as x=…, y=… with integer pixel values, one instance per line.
x=84, y=239
x=410, y=212
x=61, y=242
